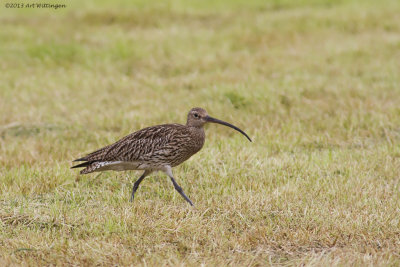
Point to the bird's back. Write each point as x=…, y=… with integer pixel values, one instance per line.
x=148, y=148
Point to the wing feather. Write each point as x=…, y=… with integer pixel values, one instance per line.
x=141, y=145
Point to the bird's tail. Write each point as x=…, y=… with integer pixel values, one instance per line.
x=92, y=166
x=85, y=164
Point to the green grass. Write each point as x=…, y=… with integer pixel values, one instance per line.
x=314, y=83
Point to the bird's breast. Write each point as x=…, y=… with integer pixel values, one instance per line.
x=193, y=144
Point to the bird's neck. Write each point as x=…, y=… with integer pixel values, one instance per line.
x=198, y=138
x=198, y=131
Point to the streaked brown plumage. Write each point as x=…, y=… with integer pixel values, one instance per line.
x=156, y=148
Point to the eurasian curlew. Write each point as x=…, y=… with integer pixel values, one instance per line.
x=156, y=148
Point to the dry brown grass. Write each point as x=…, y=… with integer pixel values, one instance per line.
x=314, y=83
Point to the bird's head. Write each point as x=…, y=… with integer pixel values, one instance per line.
x=197, y=117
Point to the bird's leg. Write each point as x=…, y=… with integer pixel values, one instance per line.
x=180, y=191
x=137, y=183
x=168, y=171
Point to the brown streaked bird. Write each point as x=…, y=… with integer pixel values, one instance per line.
x=156, y=148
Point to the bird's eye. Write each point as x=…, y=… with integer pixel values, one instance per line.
x=196, y=115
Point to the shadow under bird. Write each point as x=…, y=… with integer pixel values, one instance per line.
x=156, y=148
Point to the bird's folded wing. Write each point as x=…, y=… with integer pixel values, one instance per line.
x=139, y=145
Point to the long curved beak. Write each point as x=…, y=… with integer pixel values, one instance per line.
x=214, y=120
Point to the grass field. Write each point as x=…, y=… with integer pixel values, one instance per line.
x=315, y=83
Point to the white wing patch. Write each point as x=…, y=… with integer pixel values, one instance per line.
x=110, y=165
x=116, y=166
